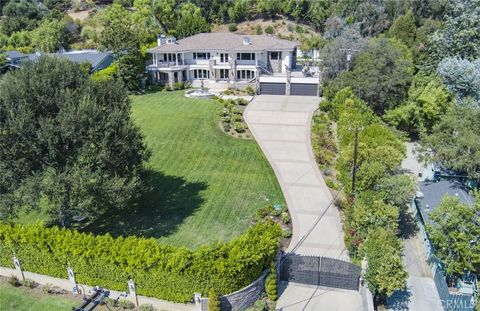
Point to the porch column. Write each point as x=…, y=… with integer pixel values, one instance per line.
x=288, y=84
x=171, y=79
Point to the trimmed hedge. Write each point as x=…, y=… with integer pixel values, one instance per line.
x=159, y=271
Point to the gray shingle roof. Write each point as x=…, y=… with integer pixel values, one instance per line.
x=14, y=55
x=94, y=57
x=227, y=42
x=434, y=192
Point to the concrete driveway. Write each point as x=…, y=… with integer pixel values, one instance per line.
x=281, y=125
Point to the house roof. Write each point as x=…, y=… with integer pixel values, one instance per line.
x=225, y=41
x=434, y=192
x=94, y=57
x=13, y=55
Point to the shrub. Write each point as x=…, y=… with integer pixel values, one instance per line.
x=242, y=101
x=13, y=280
x=260, y=305
x=299, y=29
x=213, y=301
x=331, y=184
x=146, y=307
x=271, y=285
x=29, y=283
x=227, y=127
x=235, y=110
x=52, y=289
x=290, y=27
x=269, y=30
x=226, y=119
x=237, y=118
x=258, y=30
x=287, y=234
x=264, y=211
x=232, y=27
x=161, y=271
x=178, y=86
x=285, y=218
x=250, y=91
x=126, y=304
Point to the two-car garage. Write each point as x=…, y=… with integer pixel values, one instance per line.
x=279, y=86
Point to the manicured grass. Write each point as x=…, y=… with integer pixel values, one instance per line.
x=207, y=185
x=22, y=299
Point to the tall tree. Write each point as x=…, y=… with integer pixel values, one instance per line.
x=381, y=74
x=455, y=232
x=404, y=28
x=455, y=141
x=190, y=21
x=67, y=140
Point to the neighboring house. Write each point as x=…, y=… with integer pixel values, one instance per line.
x=432, y=190
x=98, y=60
x=230, y=58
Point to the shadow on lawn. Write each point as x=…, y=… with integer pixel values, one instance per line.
x=157, y=213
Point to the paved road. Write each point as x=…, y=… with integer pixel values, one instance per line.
x=421, y=293
x=281, y=126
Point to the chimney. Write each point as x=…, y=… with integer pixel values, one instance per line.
x=161, y=40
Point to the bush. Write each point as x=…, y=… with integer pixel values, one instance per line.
x=29, y=283
x=146, y=307
x=213, y=301
x=271, y=285
x=260, y=305
x=237, y=118
x=269, y=30
x=239, y=127
x=126, y=304
x=250, y=91
x=232, y=27
x=13, y=280
x=264, y=211
x=53, y=290
x=227, y=127
x=161, y=271
x=111, y=303
x=285, y=218
x=287, y=234
x=331, y=184
x=241, y=101
x=178, y=86
x=258, y=30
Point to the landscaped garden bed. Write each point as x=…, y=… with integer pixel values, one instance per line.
x=231, y=117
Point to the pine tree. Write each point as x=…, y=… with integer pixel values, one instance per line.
x=213, y=301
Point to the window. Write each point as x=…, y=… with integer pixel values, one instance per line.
x=223, y=73
x=223, y=57
x=201, y=74
x=245, y=56
x=245, y=74
x=275, y=55
x=201, y=55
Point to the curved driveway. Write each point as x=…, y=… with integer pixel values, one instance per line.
x=281, y=125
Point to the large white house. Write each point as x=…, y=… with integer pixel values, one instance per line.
x=227, y=57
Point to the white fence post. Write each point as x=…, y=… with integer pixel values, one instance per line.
x=71, y=278
x=132, y=291
x=18, y=267
x=197, y=298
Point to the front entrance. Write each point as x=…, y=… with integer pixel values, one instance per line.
x=223, y=74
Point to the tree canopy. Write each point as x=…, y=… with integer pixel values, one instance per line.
x=67, y=143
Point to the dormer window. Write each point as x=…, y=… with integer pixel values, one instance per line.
x=171, y=40
x=247, y=41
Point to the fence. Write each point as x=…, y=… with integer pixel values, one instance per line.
x=321, y=271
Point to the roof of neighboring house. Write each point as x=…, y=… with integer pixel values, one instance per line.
x=225, y=41
x=94, y=57
x=12, y=55
x=434, y=192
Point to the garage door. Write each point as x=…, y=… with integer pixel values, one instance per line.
x=272, y=88
x=304, y=89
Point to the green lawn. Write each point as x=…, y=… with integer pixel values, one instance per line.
x=207, y=185
x=21, y=299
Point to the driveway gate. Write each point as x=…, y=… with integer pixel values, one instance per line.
x=321, y=271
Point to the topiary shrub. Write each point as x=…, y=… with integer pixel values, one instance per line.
x=271, y=285
x=232, y=27
x=213, y=301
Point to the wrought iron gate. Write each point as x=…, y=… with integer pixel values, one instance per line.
x=322, y=271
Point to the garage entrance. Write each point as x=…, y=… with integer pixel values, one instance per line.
x=272, y=88
x=304, y=89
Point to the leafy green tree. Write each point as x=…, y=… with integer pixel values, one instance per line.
x=455, y=232
x=119, y=34
x=459, y=36
x=68, y=141
x=213, y=300
x=381, y=74
x=130, y=67
x=385, y=273
x=462, y=78
x=190, y=21
x=396, y=190
x=404, y=28
x=455, y=141
x=49, y=37
x=428, y=101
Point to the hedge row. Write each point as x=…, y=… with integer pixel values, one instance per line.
x=159, y=271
